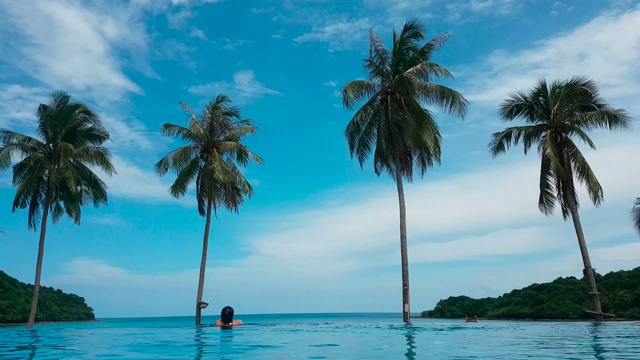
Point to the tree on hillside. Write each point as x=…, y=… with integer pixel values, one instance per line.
x=635, y=214
x=556, y=114
x=393, y=125
x=54, y=175
x=212, y=159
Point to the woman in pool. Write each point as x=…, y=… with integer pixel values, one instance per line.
x=226, y=318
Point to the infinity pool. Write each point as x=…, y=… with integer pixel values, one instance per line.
x=322, y=336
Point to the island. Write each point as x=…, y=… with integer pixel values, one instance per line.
x=53, y=305
x=562, y=299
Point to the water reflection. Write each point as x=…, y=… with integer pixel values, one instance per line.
x=199, y=341
x=226, y=344
x=595, y=330
x=411, y=343
x=33, y=345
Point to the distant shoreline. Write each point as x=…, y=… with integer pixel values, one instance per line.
x=532, y=320
x=48, y=322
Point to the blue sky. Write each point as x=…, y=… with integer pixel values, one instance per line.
x=320, y=235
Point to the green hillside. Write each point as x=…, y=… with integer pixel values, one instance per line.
x=564, y=298
x=54, y=305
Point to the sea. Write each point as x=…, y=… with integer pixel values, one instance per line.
x=321, y=336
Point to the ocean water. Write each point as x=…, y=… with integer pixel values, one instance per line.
x=321, y=336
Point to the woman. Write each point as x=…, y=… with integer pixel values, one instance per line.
x=226, y=318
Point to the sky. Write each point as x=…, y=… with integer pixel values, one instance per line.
x=321, y=233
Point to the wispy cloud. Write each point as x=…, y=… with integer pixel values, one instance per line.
x=198, y=34
x=244, y=88
x=606, y=49
x=175, y=50
x=468, y=9
x=106, y=220
x=233, y=45
x=37, y=41
x=140, y=183
x=18, y=105
x=340, y=32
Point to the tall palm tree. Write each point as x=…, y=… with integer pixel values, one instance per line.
x=635, y=214
x=212, y=159
x=393, y=123
x=556, y=114
x=54, y=174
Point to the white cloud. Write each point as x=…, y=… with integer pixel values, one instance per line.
x=37, y=41
x=606, y=49
x=134, y=182
x=131, y=133
x=106, y=220
x=198, y=34
x=469, y=9
x=339, y=32
x=232, y=45
x=330, y=83
x=244, y=88
x=18, y=105
x=177, y=51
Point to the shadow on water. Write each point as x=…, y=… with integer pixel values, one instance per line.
x=598, y=350
x=410, y=335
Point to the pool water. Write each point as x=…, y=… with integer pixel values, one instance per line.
x=322, y=336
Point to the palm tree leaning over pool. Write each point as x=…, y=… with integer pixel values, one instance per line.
x=54, y=174
x=212, y=160
x=635, y=215
x=392, y=124
x=557, y=113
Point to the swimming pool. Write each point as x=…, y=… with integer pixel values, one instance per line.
x=322, y=336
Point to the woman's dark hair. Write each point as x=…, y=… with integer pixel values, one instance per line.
x=226, y=315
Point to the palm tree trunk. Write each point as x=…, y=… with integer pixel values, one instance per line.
x=36, y=283
x=406, y=311
x=203, y=264
x=588, y=270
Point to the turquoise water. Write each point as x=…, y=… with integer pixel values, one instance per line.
x=322, y=336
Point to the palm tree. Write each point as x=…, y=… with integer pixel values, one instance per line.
x=393, y=123
x=54, y=175
x=635, y=214
x=211, y=160
x=557, y=114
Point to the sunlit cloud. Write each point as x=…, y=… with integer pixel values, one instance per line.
x=244, y=88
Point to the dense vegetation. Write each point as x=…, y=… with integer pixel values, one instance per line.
x=564, y=298
x=54, y=305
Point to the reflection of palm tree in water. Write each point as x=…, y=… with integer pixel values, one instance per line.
x=34, y=344
x=598, y=349
x=410, y=335
x=199, y=341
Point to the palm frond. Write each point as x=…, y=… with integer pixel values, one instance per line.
x=501, y=141
x=547, y=198
x=446, y=98
x=356, y=91
x=583, y=173
x=635, y=214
